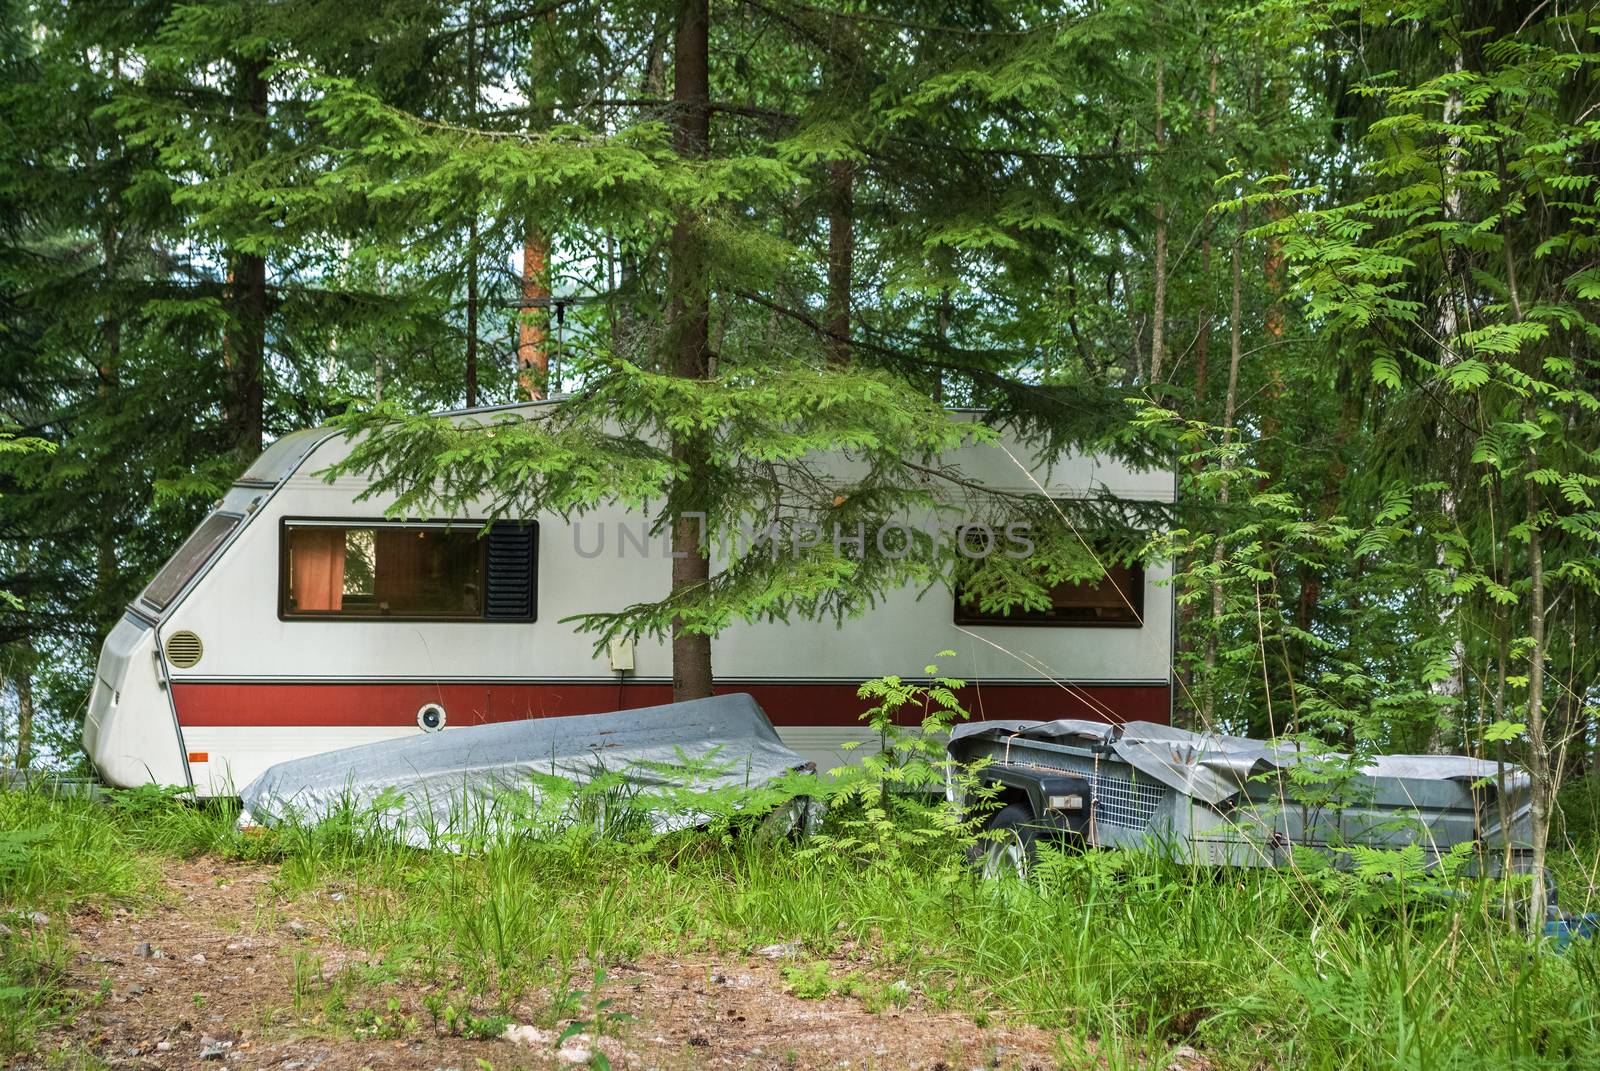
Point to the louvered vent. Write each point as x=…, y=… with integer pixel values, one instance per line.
x=184, y=650
x=513, y=563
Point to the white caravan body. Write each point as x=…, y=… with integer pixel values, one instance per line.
x=218, y=670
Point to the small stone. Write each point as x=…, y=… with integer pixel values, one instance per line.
x=574, y=1053
x=780, y=951
x=293, y=1065
x=336, y=897
x=531, y=1036
x=1184, y=1057
x=198, y=957
x=144, y=950
x=233, y=946
x=163, y=1046
x=135, y=990
x=213, y=1048
x=38, y=918
x=5, y=931
x=297, y=926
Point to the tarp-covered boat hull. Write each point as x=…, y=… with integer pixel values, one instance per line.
x=443, y=783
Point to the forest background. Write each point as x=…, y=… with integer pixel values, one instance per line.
x=1339, y=259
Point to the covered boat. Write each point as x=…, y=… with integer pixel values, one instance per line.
x=672, y=766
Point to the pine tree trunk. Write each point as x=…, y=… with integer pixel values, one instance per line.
x=533, y=331
x=1272, y=271
x=22, y=681
x=472, y=312
x=472, y=222
x=1229, y=414
x=107, y=570
x=1202, y=345
x=1158, y=328
x=533, y=322
x=1202, y=369
x=689, y=316
x=841, y=257
x=244, y=346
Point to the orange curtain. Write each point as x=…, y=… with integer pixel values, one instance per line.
x=316, y=568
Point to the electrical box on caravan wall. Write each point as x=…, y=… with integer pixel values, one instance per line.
x=299, y=618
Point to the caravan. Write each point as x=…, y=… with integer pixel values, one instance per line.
x=297, y=619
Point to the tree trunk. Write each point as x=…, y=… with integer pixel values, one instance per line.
x=1158, y=327
x=1202, y=369
x=1229, y=414
x=1539, y=767
x=533, y=322
x=841, y=257
x=107, y=569
x=1202, y=346
x=1272, y=270
x=689, y=316
x=472, y=221
x=1544, y=781
x=244, y=344
x=472, y=311
x=1452, y=687
x=22, y=681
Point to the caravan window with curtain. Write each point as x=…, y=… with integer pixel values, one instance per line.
x=433, y=571
x=1116, y=600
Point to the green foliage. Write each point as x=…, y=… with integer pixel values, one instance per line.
x=1370, y=965
x=885, y=808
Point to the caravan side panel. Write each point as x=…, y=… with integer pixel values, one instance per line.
x=266, y=688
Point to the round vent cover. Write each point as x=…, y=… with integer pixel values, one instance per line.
x=430, y=717
x=184, y=649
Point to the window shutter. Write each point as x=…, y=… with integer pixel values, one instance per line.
x=513, y=572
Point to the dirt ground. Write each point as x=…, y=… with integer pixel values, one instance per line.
x=209, y=980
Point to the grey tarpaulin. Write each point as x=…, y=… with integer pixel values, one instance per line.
x=1212, y=767
x=434, y=782
x=1228, y=800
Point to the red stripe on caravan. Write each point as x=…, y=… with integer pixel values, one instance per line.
x=254, y=703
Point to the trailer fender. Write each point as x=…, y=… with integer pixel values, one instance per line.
x=1058, y=799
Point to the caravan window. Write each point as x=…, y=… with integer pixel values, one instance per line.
x=194, y=553
x=1115, y=600
x=406, y=571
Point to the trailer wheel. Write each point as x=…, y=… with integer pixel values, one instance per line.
x=1010, y=846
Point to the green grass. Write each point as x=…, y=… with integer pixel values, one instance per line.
x=1126, y=956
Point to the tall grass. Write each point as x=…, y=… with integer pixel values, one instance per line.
x=1128, y=956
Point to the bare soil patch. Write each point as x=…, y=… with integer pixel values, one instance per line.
x=208, y=979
